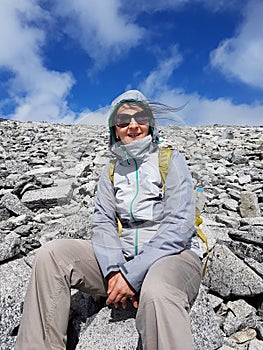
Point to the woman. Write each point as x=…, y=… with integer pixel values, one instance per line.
x=154, y=261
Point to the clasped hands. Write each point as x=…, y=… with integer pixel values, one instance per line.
x=119, y=290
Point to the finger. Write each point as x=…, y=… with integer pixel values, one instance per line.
x=114, y=297
x=124, y=302
x=111, y=284
x=135, y=303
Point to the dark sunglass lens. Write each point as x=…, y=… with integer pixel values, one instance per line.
x=122, y=120
x=123, y=125
x=142, y=117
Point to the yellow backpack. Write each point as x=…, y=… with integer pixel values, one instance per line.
x=164, y=163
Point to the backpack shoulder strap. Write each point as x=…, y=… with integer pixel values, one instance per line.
x=112, y=168
x=164, y=162
x=111, y=176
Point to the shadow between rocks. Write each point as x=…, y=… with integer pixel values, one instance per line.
x=82, y=311
x=120, y=314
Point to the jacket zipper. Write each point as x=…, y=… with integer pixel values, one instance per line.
x=131, y=205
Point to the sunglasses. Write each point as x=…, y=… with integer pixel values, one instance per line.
x=123, y=120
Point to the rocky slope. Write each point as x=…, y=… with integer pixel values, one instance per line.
x=48, y=176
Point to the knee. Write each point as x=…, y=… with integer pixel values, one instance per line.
x=151, y=289
x=44, y=253
x=162, y=292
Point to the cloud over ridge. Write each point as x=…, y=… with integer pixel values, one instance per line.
x=107, y=32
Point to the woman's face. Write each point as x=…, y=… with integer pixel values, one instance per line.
x=132, y=123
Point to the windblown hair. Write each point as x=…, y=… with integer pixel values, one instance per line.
x=158, y=112
x=163, y=112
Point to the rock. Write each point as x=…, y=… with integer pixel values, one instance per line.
x=24, y=230
x=42, y=171
x=244, y=336
x=4, y=214
x=227, y=275
x=230, y=204
x=243, y=250
x=250, y=234
x=249, y=205
x=73, y=226
x=205, y=329
x=13, y=204
x=256, y=221
x=228, y=221
x=240, y=315
x=255, y=266
x=14, y=280
x=65, y=162
x=244, y=179
x=48, y=197
x=115, y=323
x=255, y=344
x=88, y=189
x=9, y=246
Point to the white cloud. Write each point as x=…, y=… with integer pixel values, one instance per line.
x=158, y=77
x=38, y=94
x=106, y=32
x=242, y=56
x=98, y=117
x=99, y=27
x=203, y=111
x=198, y=110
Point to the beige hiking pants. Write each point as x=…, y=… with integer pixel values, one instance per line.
x=162, y=318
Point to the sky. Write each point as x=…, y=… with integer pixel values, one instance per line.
x=64, y=61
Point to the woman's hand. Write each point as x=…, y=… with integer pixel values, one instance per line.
x=119, y=290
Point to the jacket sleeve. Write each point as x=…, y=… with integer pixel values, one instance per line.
x=177, y=227
x=105, y=240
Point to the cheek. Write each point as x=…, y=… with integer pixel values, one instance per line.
x=146, y=129
x=117, y=134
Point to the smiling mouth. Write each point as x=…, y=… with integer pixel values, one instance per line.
x=134, y=135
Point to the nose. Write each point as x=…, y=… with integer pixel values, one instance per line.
x=133, y=123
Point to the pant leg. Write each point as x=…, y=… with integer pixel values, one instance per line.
x=59, y=265
x=169, y=287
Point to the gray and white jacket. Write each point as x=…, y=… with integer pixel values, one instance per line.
x=154, y=223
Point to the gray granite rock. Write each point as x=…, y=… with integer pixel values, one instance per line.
x=111, y=329
x=14, y=280
x=255, y=344
x=240, y=315
x=13, y=204
x=248, y=234
x=58, y=166
x=227, y=275
x=249, y=206
x=48, y=197
x=206, y=332
x=9, y=246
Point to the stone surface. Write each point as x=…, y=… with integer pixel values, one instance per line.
x=249, y=206
x=13, y=204
x=227, y=275
x=205, y=329
x=48, y=197
x=14, y=280
x=9, y=246
x=48, y=181
x=118, y=325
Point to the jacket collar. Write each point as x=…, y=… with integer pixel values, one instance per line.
x=134, y=150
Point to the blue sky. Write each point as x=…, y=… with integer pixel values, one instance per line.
x=65, y=61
